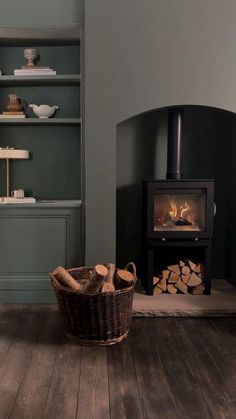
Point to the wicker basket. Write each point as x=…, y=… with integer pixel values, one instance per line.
x=99, y=319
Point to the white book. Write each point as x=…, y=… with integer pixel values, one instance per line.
x=10, y=200
x=35, y=73
x=38, y=67
x=32, y=70
x=12, y=116
x=29, y=70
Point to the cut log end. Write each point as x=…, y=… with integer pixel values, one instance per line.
x=171, y=289
x=198, y=290
x=173, y=278
x=155, y=280
x=123, y=278
x=101, y=270
x=98, y=276
x=162, y=284
x=174, y=268
x=182, y=287
x=157, y=291
x=194, y=280
x=107, y=287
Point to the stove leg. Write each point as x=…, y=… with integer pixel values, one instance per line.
x=208, y=270
x=150, y=271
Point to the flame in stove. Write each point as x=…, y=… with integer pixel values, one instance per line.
x=174, y=210
x=180, y=211
x=184, y=210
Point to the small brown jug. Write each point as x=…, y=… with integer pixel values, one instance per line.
x=15, y=103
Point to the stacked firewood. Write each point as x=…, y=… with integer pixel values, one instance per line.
x=184, y=277
x=101, y=278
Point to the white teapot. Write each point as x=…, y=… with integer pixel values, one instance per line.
x=44, y=111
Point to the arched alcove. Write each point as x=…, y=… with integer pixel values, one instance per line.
x=208, y=149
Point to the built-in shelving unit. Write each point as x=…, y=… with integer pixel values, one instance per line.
x=59, y=48
x=35, y=238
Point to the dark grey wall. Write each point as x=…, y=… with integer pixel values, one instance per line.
x=142, y=153
x=230, y=186
x=142, y=56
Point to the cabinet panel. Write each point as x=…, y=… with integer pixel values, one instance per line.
x=33, y=242
x=40, y=251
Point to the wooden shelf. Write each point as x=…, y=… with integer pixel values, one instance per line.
x=49, y=203
x=40, y=121
x=60, y=80
x=33, y=35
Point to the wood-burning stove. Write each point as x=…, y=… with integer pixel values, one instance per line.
x=179, y=209
x=177, y=214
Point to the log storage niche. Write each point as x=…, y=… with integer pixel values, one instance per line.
x=185, y=277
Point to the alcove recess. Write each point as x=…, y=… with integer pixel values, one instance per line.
x=54, y=170
x=208, y=153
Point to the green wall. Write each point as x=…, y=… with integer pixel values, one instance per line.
x=139, y=56
x=41, y=13
x=142, y=56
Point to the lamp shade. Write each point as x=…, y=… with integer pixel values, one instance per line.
x=6, y=153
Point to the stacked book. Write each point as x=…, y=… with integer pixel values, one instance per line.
x=13, y=114
x=34, y=71
x=10, y=200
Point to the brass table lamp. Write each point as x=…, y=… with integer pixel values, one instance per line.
x=8, y=154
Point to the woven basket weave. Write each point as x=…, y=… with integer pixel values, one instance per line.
x=99, y=319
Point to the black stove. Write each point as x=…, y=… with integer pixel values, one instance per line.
x=178, y=213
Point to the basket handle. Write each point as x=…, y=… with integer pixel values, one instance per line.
x=131, y=266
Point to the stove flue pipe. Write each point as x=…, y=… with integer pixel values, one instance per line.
x=175, y=125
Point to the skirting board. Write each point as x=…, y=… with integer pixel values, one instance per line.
x=222, y=302
x=21, y=289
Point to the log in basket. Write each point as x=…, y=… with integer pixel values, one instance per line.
x=95, y=319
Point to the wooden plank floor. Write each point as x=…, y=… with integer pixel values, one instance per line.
x=168, y=368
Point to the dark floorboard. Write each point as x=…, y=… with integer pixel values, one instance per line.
x=168, y=368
